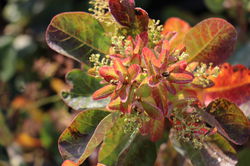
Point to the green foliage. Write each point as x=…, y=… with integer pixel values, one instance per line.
x=77, y=35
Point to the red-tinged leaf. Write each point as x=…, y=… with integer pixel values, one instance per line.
x=74, y=34
x=180, y=27
x=136, y=59
x=120, y=69
x=108, y=73
x=74, y=142
x=133, y=71
x=152, y=110
x=153, y=128
x=148, y=55
x=142, y=20
x=164, y=51
x=153, y=81
x=212, y=40
x=177, y=67
x=115, y=104
x=181, y=78
x=233, y=83
x=69, y=163
x=228, y=119
x=124, y=93
x=122, y=11
x=169, y=87
x=103, y=92
x=144, y=90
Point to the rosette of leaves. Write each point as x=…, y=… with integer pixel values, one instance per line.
x=150, y=85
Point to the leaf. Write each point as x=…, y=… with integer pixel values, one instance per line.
x=154, y=128
x=123, y=11
x=103, y=92
x=77, y=35
x=233, y=83
x=222, y=143
x=115, y=142
x=152, y=110
x=81, y=103
x=74, y=140
x=210, y=41
x=83, y=84
x=103, y=127
x=179, y=26
x=140, y=152
x=209, y=154
x=228, y=119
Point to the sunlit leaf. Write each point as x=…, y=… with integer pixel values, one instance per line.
x=103, y=127
x=115, y=142
x=103, y=92
x=140, y=152
x=76, y=35
x=73, y=142
x=210, y=41
x=228, y=119
x=180, y=27
x=81, y=103
x=233, y=83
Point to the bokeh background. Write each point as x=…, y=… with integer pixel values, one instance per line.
x=32, y=115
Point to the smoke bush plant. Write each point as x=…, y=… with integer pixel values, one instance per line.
x=145, y=79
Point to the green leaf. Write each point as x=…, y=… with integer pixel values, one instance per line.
x=81, y=103
x=83, y=86
x=115, y=142
x=212, y=40
x=103, y=127
x=216, y=151
x=215, y=6
x=74, y=141
x=77, y=35
x=222, y=143
x=141, y=152
x=228, y=119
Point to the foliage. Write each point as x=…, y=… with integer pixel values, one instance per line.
x=155, y=78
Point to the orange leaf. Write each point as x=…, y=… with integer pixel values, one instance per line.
x=180, y=27
x=210, y=41
x=69, y=163
x=233, y=83
x=103, y=92
x=108, y=73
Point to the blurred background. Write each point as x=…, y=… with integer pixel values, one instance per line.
x=32, y=115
